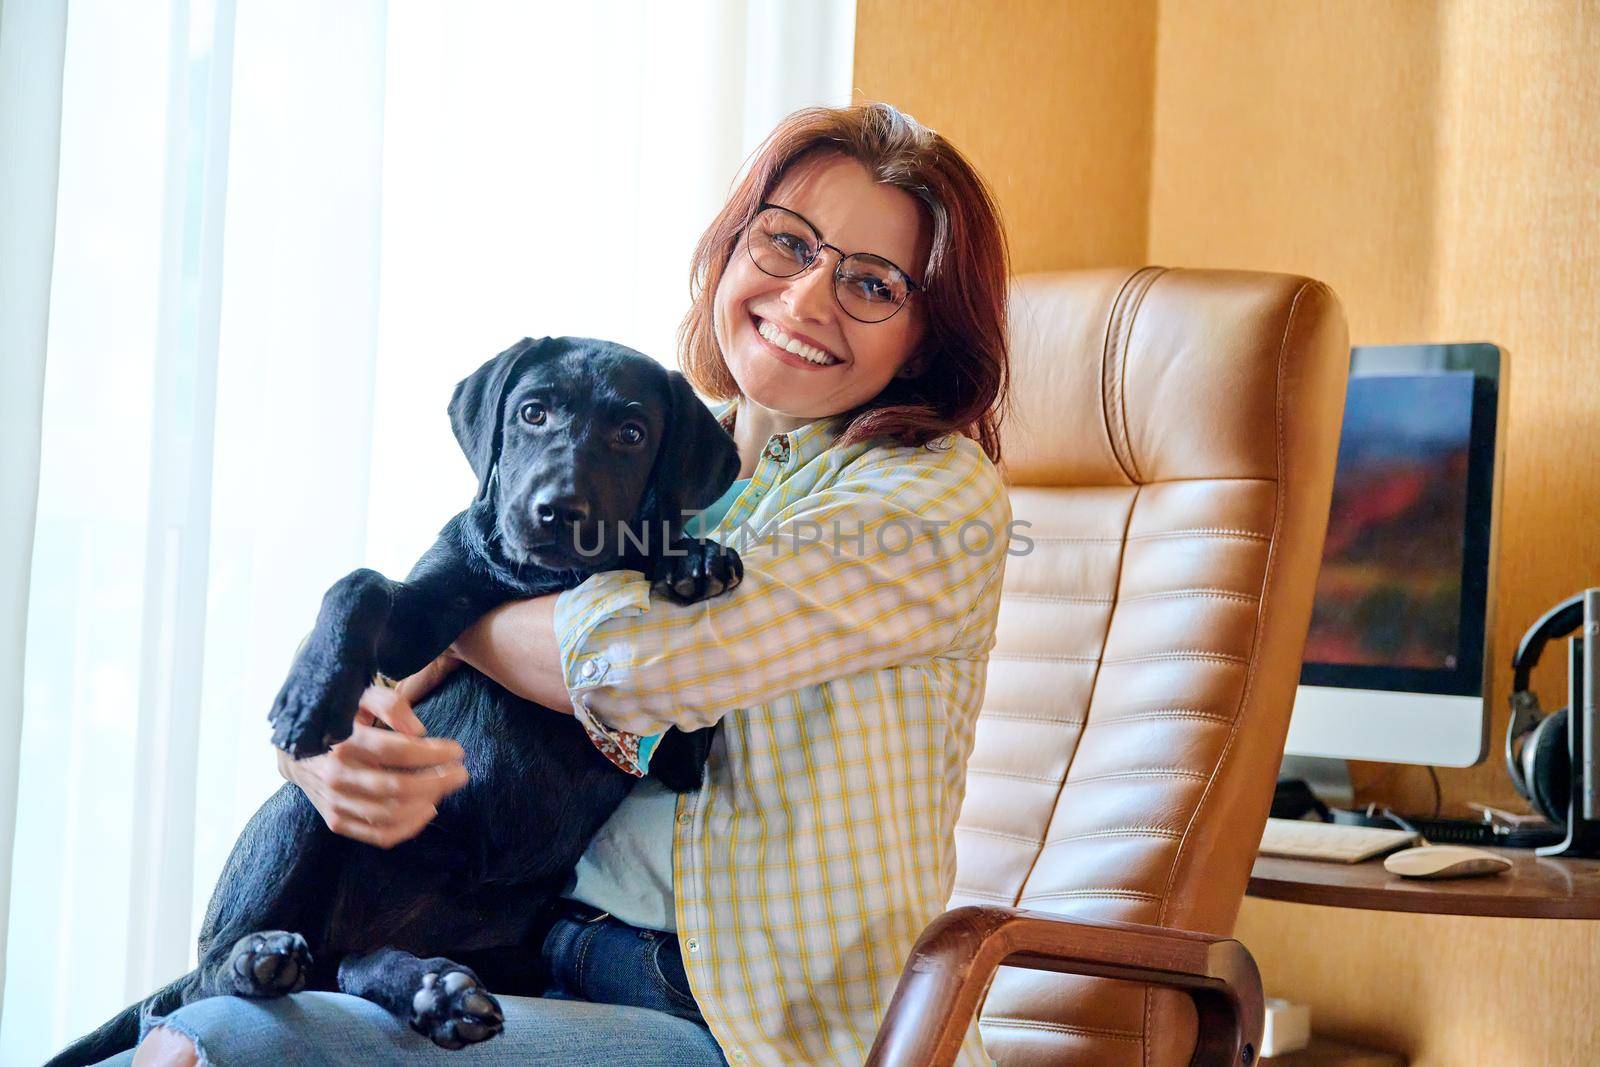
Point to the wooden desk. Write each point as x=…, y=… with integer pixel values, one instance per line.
x=1324, y=1053
x=1535, y=888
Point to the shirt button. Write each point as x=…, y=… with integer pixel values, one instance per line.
x=778, y=448
x=738, y=1056
x=686, y=818
x=693, y=944
x=589, y=669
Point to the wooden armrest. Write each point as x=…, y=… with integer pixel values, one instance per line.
x=956, y=957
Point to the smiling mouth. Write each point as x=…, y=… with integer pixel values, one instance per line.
x=778, y=339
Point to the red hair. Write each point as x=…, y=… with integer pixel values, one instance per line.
x=963, y=354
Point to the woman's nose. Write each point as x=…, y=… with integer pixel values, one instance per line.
x=809, y=294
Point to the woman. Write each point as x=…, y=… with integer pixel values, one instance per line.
x=849, y=303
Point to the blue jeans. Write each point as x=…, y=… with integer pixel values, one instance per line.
x=618, y=994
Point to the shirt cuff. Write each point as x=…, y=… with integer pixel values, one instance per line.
x=586, y=663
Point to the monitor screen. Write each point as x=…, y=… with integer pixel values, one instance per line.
x=1389, y=592
x=1400, y=595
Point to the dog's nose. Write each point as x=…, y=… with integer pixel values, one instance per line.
x=560, y=510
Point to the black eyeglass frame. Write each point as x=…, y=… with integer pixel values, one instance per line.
x=912, y=285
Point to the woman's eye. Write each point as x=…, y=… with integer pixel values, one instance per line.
x=533, y=413
x=631, y=433
x=870, y=287
x=794, y=247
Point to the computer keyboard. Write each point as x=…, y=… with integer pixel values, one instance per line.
x=1301, y=839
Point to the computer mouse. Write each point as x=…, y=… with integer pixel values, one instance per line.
x=1444, y=861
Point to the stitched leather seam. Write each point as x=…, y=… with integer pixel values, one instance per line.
x=1148, y=772
x=1114, y=365
x=1221, y=535
x=1110, y=372
x=1065, y=540
x=1006, y=716
x=1061, y=1028
x=1152, y=716
x=1064, y=894
x=1046, y=657
x=985, y=894
x=1058, y=598
x=1016, y=776
x=1030, y=841
x=1124, y=343
x=1153, y=657
x=1122, y=831
x=1182, y=594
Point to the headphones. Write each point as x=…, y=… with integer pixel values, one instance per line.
x=1541, y=765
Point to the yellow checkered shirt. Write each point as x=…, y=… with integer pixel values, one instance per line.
x=847, y=670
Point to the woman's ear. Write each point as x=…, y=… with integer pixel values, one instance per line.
x=913, y=367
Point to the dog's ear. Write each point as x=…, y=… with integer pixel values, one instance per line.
x=476, y=410
x=696, y=460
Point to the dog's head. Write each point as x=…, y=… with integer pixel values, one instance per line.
x=573, y=439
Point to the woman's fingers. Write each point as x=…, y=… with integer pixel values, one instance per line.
x=388, y=705
x=416, y=686
x=386, y=748
x=394, y=787
x=379, y=786
x=378, y=825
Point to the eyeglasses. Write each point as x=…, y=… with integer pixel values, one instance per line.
x=868, y=288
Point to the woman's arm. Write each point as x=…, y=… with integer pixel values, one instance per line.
x=900, y=584
x=515, y=644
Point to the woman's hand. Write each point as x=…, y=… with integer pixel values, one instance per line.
x=382, y=786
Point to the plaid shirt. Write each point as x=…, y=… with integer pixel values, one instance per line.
x=847, y=671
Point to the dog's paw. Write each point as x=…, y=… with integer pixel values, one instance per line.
x=270, y=963
x=316, y=708
x=452, y=1009
x=697, y=570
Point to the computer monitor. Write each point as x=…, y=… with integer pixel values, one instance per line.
x=1395, y=667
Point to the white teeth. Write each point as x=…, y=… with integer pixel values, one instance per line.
x=789, y=344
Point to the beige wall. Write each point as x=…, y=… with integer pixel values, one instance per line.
x=1439, y=165
x=1072, y=86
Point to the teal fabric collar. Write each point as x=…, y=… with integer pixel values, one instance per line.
x=708, y=520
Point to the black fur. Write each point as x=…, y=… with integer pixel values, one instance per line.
x=424, y=928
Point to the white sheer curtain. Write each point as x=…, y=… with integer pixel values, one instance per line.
x=283, y=230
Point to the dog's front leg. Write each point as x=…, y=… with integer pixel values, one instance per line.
x=316, y=708
x=369, y=623
x=444, y=594
x=439, y=998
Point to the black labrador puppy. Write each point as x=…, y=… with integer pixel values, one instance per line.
x=587, y=456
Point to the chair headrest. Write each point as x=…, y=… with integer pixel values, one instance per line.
x=1124, y=377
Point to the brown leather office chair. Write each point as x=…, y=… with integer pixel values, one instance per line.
x=1173, y=451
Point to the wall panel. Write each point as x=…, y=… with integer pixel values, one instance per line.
x=1051, y=101
x=1437, y=163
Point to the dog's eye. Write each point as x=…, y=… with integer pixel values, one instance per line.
x=631, y=433
x=533, y=413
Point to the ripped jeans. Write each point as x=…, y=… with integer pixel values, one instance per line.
x=618, y=994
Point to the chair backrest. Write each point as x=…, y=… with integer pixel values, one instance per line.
x=1172, y=448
